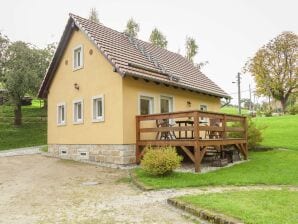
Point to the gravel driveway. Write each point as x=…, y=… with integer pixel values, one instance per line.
x=38, y=189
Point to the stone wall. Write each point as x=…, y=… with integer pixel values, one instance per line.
x=106, y=155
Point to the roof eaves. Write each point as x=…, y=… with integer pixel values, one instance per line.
x=178, y=85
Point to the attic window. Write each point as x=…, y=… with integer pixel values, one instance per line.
x=78, y=57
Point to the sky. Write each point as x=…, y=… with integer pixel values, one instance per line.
x=228, y=32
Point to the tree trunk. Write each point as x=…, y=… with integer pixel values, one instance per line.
x=18, y=114
x=283, y=103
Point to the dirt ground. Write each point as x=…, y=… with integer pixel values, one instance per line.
x=39, y=189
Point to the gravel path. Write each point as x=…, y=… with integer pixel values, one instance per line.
x=21, y=151
x=39, y=189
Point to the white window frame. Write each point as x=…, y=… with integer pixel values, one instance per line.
x=94, y=116
x=171, y=104
x=75, y=120
x=206, y=109
x=61, y=123
x=81, y=57
x=151, y=102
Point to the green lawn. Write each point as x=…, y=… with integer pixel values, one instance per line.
x=258, y=207
x=280, y=132
x=31, y=133
x=232, y=110
x=270, y=167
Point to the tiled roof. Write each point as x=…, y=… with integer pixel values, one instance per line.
x=134, y=57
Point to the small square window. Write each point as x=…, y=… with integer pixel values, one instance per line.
x=61, y=114
x=78, y=57
x=146, y=105
x=98, y=108
x=78, y=112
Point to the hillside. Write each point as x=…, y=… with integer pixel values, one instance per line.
x=31, y=133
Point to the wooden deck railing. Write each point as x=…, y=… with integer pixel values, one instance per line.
x=192, y=131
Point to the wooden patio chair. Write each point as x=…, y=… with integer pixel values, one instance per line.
x=165, y=135
x=213, y=134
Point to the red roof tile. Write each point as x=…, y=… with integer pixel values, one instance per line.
x=138, y=58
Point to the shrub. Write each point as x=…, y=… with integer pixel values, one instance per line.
x=161, y=160
x=293, y=109
x=254, y=134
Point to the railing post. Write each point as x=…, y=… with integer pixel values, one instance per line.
x=224, y=126
x=246, y=137
x=138, y=138
x=197, y=151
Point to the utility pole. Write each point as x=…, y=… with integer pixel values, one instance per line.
x=239, y=92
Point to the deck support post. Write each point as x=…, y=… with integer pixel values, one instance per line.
x=197, y=151
x=138, y=137
x=197, y=159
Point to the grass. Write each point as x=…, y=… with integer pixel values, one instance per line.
x=232, y=110
x=31, y=133
x=258, y=207
x=281, y=132
x=271, y=167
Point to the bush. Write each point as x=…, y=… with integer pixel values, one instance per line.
x=254, y=134
x=293, y=109
x=160, y=161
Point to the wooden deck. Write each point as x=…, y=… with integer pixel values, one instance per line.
x=194, y=132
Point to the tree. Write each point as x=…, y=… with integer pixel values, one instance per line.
x=43, y=58
x=4, y=43
x=132, y=28
x=24, y=69
x=158, y=39
x=18, y=75
x=275, y=68
x=191, y=48
x=93, y=15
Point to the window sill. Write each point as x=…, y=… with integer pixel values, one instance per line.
x=77, y=68
x=98, y=120
x=78, y=122
x=62, y=124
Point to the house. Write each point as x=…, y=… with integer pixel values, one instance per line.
x=100, y=79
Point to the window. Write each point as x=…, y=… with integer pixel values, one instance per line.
x=63, y=151
x=98, y=108
x=78, y=111
x=146, y=105
x=166, y=104
x=61, y=114
x=84, y=154
x=203, y=108
x=78, y=57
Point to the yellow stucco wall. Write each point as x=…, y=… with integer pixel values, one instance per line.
x=133, y=89
x=121, y=96
x=95, y=78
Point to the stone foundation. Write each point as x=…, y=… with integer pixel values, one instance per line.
x=106, y=155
